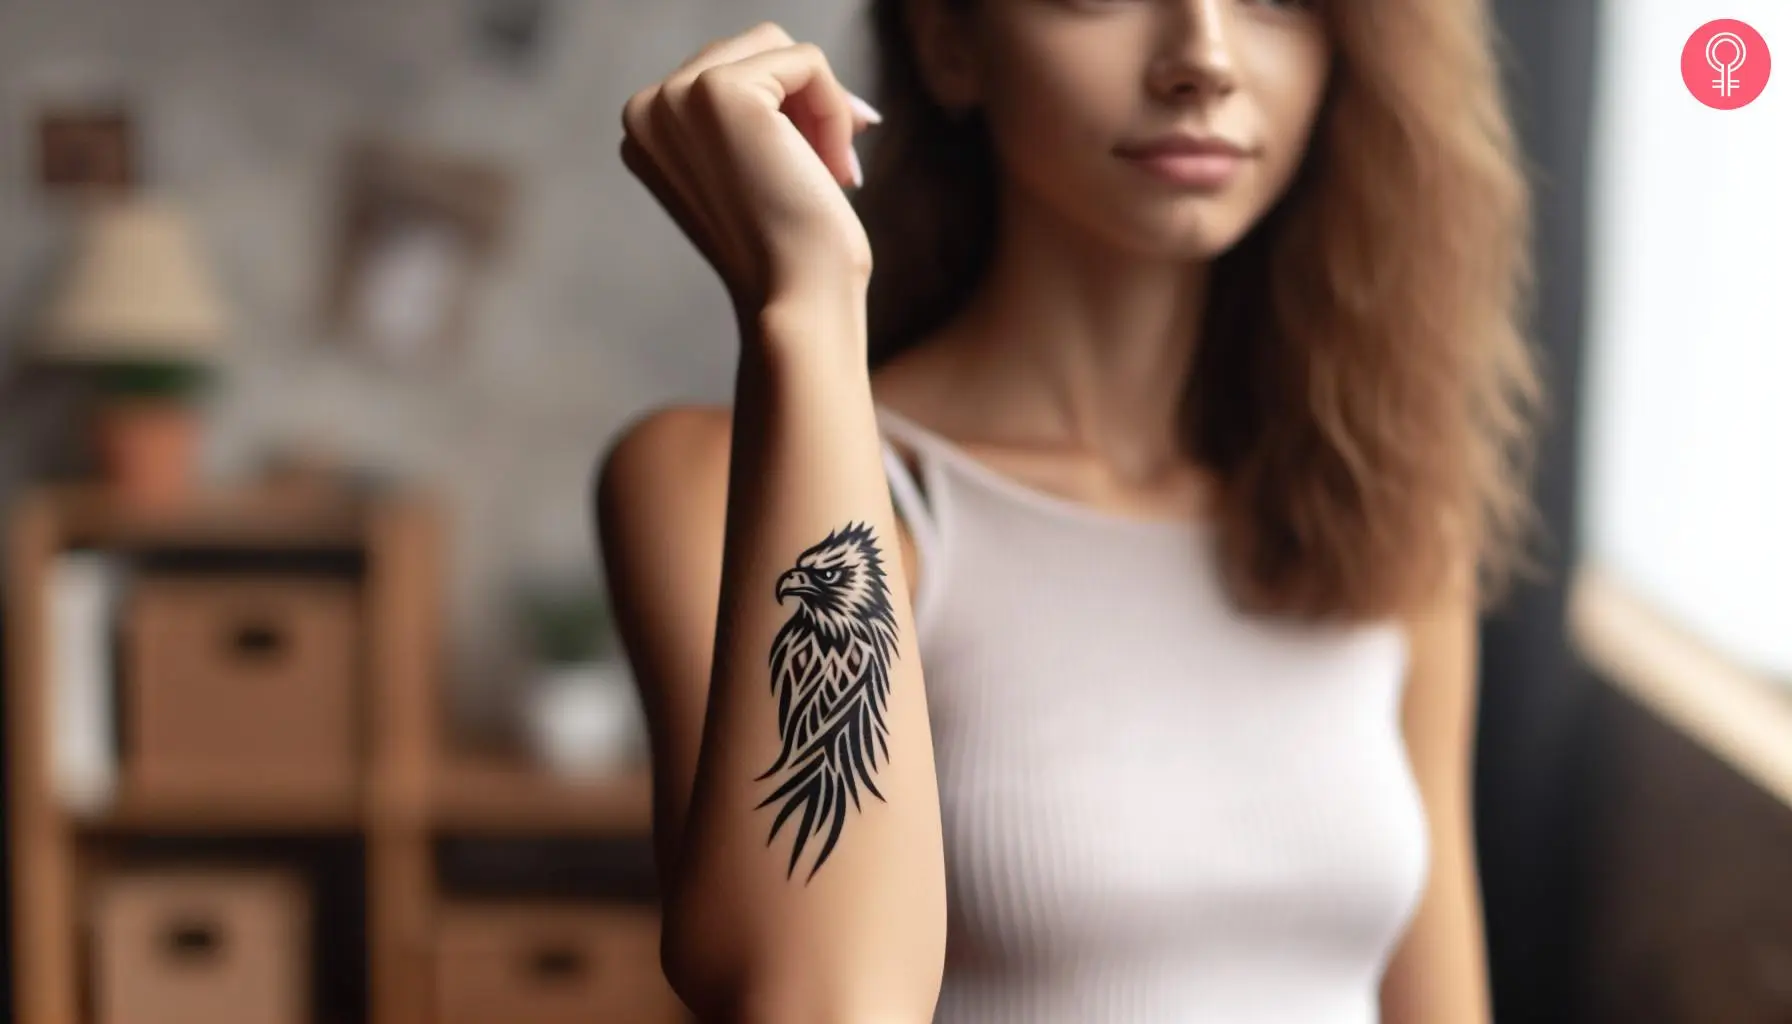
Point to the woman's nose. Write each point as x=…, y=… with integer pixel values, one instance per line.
x=1197, y=59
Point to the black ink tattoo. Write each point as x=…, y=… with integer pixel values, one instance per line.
x=831, y=675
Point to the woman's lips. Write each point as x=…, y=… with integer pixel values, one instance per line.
x=1192, y=170
x=1191, y=159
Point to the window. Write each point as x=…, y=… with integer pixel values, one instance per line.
x=1687, y=481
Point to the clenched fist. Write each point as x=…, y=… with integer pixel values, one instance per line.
x=748, y=145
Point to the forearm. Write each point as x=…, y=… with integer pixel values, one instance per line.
x=853, y=925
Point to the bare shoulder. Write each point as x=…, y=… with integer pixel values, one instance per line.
x=660, y=503
x=1450, y=616
x=678, y=445
x=1442, y=686
x=665, y=481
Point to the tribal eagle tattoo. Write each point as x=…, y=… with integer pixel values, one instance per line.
x=830, y=673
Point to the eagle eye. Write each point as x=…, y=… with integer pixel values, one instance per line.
x=827, y=575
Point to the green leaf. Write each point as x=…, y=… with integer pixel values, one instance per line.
x=568, y=623
x=154, y=379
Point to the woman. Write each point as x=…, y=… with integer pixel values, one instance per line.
x=1106, y=652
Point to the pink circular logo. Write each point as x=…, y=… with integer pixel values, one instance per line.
x=1725, y=64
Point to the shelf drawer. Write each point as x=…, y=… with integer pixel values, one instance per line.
x=551, y=965
x=201, y=947
x=238, y=682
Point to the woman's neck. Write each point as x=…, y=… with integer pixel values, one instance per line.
x=1071, y=341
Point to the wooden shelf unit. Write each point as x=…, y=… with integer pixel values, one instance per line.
x=411, y=789
x=494, y=796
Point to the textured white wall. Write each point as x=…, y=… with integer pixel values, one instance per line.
x=1689, y=432
x=601, y=309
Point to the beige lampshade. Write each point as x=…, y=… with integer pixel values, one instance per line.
x=136, y=288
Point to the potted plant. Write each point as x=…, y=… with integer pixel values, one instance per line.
x=148, y=426
x=580, y=711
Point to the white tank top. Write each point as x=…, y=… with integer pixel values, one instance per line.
x=1156, y=810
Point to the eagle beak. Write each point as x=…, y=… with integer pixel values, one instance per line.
x=795, y=581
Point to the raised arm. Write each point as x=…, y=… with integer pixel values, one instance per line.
x=760, y=586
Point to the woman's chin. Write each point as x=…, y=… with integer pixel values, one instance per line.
x=1187, y=238
x=1183, y=228
x=1180, y=229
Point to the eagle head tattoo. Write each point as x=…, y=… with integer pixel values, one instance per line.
x=830, y=673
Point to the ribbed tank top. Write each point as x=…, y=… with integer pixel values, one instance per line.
x=1156, y=810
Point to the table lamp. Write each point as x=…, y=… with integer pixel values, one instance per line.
x=139, y=309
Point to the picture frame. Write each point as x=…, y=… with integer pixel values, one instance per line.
x=86, y=148
x=416, y=230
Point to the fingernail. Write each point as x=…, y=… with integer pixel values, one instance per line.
x=858, y=170
x=863, y=109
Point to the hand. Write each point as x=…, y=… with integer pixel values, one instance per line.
x=748, y=146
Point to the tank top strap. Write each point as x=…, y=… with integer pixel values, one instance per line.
x=920, y=501
x=912, y=495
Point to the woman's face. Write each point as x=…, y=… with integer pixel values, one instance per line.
x=1100, y=108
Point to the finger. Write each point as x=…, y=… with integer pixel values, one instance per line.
x=671, y=92
x=766, y=35
x=651, y=151
x=862, y=110
x=641, y=163
x=797, y=81
x=671, y=138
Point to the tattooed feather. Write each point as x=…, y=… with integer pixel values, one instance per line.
x=830, y=670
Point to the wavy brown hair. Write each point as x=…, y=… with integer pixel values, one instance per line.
x=1363, y=389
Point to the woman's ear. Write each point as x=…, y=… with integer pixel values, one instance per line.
x=942, y=34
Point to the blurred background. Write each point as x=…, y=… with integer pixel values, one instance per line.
x=315, y=316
